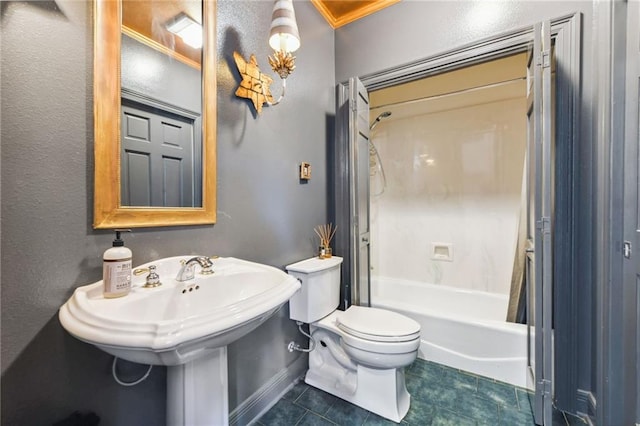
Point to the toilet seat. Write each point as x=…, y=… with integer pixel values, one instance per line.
x=378, y=325
x=378, y=331
x=380, y=348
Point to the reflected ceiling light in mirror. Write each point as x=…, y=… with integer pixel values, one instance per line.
x=187, y=29
x=284, y=39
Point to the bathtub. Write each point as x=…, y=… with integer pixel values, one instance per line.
x=463, y=329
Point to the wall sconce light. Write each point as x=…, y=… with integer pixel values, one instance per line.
x=284, y=39
x=187, y=29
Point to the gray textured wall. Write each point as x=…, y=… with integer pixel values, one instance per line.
x=49, y=246
x=412, y=30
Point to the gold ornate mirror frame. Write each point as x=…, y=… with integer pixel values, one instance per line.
x=108, y=210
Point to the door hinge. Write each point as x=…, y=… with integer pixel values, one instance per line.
x=544, y=59
x=544, y=225
x=626, y=249
x=545, y=387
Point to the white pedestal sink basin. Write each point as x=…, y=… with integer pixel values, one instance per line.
x=183, y=325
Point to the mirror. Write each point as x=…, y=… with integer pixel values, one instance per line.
x=131, y=190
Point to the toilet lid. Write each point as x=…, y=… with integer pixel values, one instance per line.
x=379, y=325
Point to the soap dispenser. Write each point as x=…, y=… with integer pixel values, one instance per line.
x=116, y=268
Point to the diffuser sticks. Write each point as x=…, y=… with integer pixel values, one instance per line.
x=325, y=233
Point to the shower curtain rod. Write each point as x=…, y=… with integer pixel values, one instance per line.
x=455, y=92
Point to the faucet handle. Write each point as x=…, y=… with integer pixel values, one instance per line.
x=206, y=265
x=204, y=260
x=153, y=279
x=207, y=270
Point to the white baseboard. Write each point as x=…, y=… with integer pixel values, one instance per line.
x=264, y=398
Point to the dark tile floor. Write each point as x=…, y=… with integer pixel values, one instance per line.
x=439, y=396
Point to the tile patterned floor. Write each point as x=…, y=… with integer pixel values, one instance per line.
x=439, y=396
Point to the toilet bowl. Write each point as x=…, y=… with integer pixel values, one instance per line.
x=359, y=353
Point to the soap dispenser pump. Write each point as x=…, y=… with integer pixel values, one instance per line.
x=116, y=268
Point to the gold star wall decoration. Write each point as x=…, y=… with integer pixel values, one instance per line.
x=254, y=85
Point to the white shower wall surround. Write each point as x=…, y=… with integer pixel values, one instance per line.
x=453, y=176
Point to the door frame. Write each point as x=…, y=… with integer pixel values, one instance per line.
x=631, y=264
x=566, y=36
x=616, y=145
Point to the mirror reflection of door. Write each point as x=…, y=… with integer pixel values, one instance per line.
x=161, y=117
x=157, y=157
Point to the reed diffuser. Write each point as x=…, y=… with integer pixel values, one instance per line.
x=325, y=233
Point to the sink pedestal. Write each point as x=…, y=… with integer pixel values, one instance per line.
x=197, y=392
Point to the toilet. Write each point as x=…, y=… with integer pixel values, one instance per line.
x=359, y=354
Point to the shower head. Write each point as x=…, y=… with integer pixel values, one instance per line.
x=378, y=118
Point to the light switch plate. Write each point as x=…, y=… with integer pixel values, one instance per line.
x=305, y=171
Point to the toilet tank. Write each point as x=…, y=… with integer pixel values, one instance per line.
x=319, y=294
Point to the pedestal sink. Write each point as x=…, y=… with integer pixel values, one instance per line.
x=183, y=325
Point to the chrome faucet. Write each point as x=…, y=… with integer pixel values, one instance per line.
x=187, y=272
